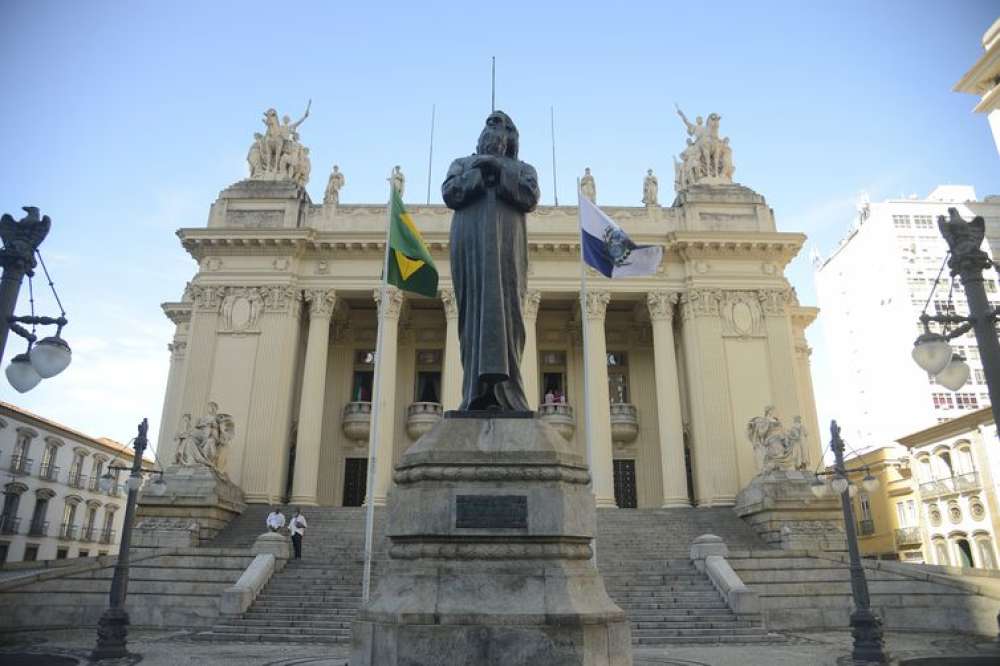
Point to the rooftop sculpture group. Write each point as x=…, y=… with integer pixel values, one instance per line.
x=277, y=154
x=708, y=159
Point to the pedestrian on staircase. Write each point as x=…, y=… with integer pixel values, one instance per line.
x=298, y=527
x=275, y=520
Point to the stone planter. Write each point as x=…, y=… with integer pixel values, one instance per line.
x=624, y=422
x=559, y=415
x=421, y=417
x=357, y=420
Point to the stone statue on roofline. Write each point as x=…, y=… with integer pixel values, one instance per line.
x=333, y=186
x=277, y=154
x=587, y=186
x=707, y=159
x=776, y=448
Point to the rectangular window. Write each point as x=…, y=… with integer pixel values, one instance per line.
x=866, y=506
x=991, y=286
x=62, y=553
x=901, y=514
x=901, y=221
x=83, y=553
x=618, y=377
x=980, y=376
x=31, y=552
x=922, y=222
x=966, y=401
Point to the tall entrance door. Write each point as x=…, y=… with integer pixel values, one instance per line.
x=355, y=481
x=625, y=495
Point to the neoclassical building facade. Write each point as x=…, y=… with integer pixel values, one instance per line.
x=278, y=328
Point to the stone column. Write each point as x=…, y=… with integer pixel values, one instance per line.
x=180, y=315
x=713, y=449
x=386, y=412
x=668, y=399
x=599, y=407
x=310, y=430
x=529, y=360
x=781, y=355
x=451, y=380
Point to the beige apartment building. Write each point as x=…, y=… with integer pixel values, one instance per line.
x=278, y=327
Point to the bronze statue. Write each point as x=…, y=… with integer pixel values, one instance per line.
x=491, y=192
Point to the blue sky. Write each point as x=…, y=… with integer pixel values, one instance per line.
x=123, y=121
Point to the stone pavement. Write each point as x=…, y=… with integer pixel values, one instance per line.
x=166, y=648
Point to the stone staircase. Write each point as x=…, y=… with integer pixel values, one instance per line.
x=644, y=558
x=643, y=555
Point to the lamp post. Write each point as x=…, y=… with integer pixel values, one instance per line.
x=866, y=627
x=51, y=355
x=931, y=351
x=112, y=628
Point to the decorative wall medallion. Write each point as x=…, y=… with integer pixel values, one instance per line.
x=768, y=268
x=976, y=508
x=322, y=267
x=281, y=264
x=742, y=315
x=212, y=264
x=954, y=512
x=240, y=309
x=935, y=515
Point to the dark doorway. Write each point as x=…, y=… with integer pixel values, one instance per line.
x=966, y=553
x=625, y=495
x=355, y=481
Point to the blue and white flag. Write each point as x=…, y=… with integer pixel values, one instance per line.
x=608, y=249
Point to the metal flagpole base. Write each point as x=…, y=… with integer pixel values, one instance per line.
x=866, y=628
x=112, y=635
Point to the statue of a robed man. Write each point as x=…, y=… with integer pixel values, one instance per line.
x=491, y=192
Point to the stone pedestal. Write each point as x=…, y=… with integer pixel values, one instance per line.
x=490, y=528
x=197, y=505
x=783, y=510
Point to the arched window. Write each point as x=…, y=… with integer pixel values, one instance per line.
x=984, y=548
x=20, y=462
x=68, y=528
x=9, y=520
x=90, y=522
x=964, y=552
x=925, y=470
x=49, y=470
x=941, y=552
x=108, y=530
x=946, y=469
x=963, y=458
x=76, y=477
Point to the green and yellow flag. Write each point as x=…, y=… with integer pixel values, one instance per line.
x=410, y=265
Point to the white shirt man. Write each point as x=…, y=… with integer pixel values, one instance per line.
x=275, y=520
x=297, y=527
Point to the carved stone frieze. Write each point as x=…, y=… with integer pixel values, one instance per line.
x=490, y=551
x=774, y=301
x=321, y=302
x=742, y=314
x=596, y=304
x=661, y=304
x=282, y=299
x=205, y=299
x=700, y=302
x=393, y=305
x=492, y=473
x=240, y=309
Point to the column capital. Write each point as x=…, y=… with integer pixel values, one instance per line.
x=321, y=302
x=661, y=304
x=393, y=305
x=205, y=299
x=532, y=300
x=700, y=302
x=773, y=301
x=282, y=299
x=447, y=296
x=596, y=304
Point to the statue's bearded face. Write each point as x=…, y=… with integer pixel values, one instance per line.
x=499, y=137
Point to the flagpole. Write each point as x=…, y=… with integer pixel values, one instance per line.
x=430, y=158
x=588, y=417
x=373, y=440
x=555, y=187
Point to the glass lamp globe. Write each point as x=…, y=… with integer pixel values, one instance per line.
x=133, y=482
x=50, y=356
x=158, y=487
x=955, y=374
x=932, y=352
x=106, y=482
x=818, y=488
x=21, y=374
x=840, y=485
x=869, y=483
x=852, y=490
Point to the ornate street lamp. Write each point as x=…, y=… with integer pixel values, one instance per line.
x=931, y=351
x=112, y=628
x=866, y=627
x=47, y=357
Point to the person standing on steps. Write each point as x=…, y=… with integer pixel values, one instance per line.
x=297, y=527
x=275, y=519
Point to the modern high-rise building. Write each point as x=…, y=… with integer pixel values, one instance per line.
x=872, y=290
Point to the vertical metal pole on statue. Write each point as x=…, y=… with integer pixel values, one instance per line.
x=493, y=85
x=430, y=157
x=373, y=440
x=555, y=185
x=589, y=424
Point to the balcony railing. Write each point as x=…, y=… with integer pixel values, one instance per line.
x=78, y=481
x=20, y=465
x=107, y=536
x=559, y=415
x=9, y=524
x=421, y=417
x=357, y=420
x=95, y=484
x=866, y=527
x=950, y=485
x=116, y=489
x=67, y=531
x=38, y=528
x=624, y=422
x=48, y=472
x=908, y=536
x=88, y=534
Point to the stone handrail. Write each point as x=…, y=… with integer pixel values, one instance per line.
x=708, y=552
x=239, y=597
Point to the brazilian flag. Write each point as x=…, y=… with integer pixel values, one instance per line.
x=410, y=265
